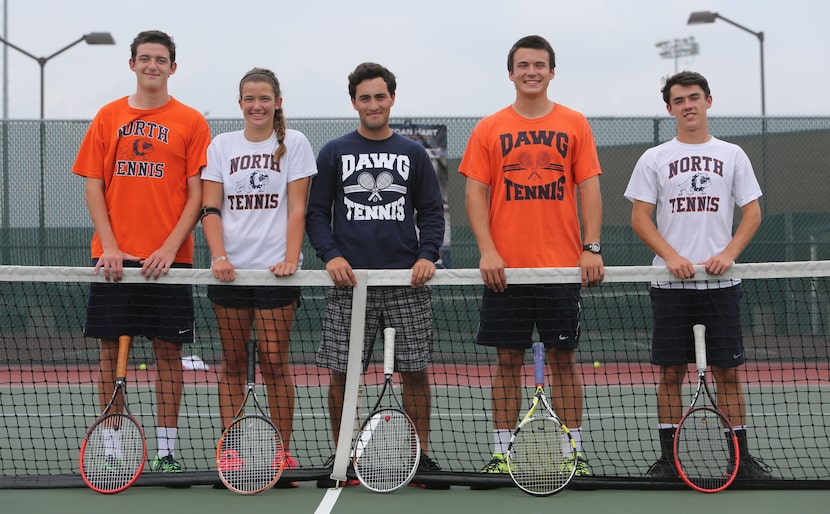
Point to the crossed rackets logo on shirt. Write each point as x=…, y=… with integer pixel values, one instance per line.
x=366, y=181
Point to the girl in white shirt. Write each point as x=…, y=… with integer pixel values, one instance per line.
x=254, y=191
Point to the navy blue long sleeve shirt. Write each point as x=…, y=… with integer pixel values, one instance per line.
x=375, y=203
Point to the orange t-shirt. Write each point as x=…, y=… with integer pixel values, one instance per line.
x=144, y=158
x=533, y=167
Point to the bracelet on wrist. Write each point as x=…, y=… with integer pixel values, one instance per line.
x=217, y=259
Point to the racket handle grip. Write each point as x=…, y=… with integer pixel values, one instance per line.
x=388, y=351
x=539, y=363
x=700, y=346
x=250, y=350
x=124, y=343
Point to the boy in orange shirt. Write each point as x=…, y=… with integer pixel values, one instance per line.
x=533, y=158
x=141, y=159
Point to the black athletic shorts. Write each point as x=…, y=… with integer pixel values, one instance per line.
x=677, y=310
x=508, y=318
x=148, y=309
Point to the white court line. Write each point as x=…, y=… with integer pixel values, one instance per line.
x=330, y=498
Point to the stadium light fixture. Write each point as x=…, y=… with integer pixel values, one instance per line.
x=686, y=47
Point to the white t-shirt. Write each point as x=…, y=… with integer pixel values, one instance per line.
x=255, y=202
x=695, y=189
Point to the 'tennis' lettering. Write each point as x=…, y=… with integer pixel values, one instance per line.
x=696, y=163
x=552, y=191
x=254, y=201
x=695, y=204
x=139, y=169
x=550, y=138
x=393, y=211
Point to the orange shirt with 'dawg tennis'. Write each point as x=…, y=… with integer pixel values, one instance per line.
x=144, y=158
x=533, y=167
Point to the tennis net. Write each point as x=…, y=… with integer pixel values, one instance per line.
x=48, y=373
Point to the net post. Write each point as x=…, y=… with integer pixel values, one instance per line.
x=354, y=370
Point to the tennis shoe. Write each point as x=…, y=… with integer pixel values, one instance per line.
x=166, y=464
x=427, y=465
x=754, y=468
x=327, y=482
x=663, y=468
x=229, y=460
x=498, y=464
x=579, y=462
x=288, y=462
x=111, y=464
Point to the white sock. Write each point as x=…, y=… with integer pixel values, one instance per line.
x=166, y=440
x=501, y=440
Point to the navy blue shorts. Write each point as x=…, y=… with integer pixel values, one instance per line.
x=253, y=297
x=148, y=309
x=508, y=318
x=677, y=310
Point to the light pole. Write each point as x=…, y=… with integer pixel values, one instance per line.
x=685, y=47
x=709, y=17
x=93, y=38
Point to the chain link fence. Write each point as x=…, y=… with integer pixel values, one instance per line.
x=44, y=221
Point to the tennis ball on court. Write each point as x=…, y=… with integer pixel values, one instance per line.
x=597, y=364
x=142, y=366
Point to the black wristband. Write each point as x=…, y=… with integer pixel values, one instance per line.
x=207, y=211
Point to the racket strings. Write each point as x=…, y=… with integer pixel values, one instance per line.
x=250, y=455
x=536, y=460
x=114, y=453
x=704, y=450
x=387, y=451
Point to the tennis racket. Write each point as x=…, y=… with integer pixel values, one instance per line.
x=250, y=455
x=114, y=449
x=387, y=449
x=705, y=446
x=536, y=458
x=384, y=180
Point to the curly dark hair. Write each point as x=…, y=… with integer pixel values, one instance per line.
x=371, y=70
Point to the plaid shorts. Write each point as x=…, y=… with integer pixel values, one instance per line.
x=407, y=309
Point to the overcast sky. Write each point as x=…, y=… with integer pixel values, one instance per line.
x=449, y=55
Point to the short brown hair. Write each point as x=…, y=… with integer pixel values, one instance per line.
x=535, y=42
x=154, y=36
x=684, y=78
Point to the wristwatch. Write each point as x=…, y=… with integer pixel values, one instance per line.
x=593, y=248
